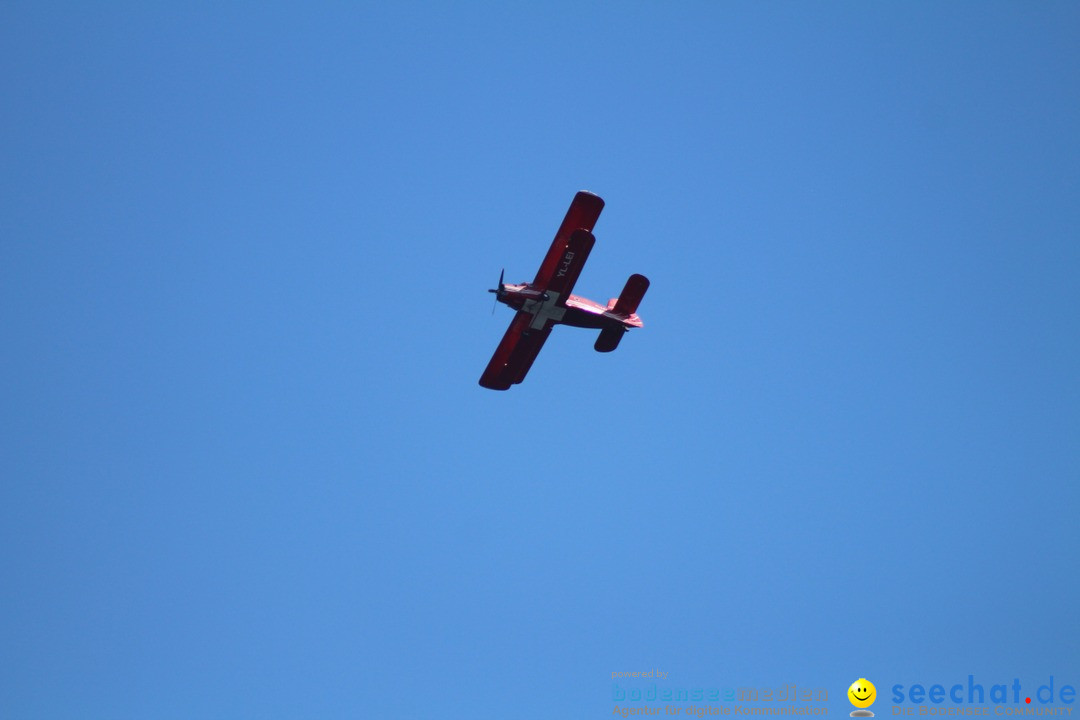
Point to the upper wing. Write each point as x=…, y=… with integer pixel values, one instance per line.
x=583, y=213
x=515, y=354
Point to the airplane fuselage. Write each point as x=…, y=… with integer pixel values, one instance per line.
x=576, y=311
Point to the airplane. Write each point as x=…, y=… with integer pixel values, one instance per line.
x=546, y=301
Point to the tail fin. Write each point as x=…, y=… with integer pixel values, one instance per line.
x=631, y=295
x=609, y=339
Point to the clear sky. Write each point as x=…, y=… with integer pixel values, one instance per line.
x=247, y=470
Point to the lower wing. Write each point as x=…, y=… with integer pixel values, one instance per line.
x=515, y=354
x=570, y=265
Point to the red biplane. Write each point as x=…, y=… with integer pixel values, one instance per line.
x=546, y=301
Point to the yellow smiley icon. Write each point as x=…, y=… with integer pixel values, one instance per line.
x=862, y=693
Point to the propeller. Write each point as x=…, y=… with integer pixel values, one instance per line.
x=499, y=291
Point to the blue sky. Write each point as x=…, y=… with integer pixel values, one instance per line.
x=248, y=470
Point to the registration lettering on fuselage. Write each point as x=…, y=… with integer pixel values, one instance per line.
x=567, y=258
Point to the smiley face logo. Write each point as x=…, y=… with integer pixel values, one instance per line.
x=862, y=693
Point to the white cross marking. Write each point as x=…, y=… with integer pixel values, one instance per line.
x=542, y=311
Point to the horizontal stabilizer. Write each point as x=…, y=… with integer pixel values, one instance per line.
x=609, y=339
x=631, y=295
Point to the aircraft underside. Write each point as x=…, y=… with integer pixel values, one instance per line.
x=546, y=301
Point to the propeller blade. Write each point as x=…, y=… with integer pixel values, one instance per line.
x=498, y=292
